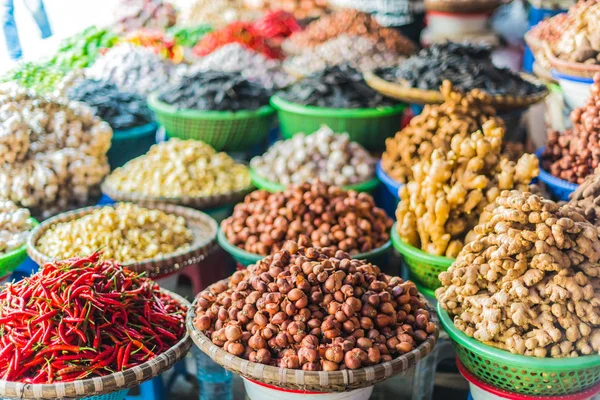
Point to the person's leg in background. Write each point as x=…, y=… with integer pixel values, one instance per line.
x=11, y=36
x=38, y=12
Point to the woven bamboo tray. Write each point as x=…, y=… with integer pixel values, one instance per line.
x=321, y=381
x=200, y=203
x=106, y=384
x=407, y=94
x=203, y=227
x=463, y=6
x=568, y=67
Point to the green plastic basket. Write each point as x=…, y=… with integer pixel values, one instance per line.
x=223, y=130
x=11, y=260
x=423, y=267
x=246, y=258
x=522, y=374
x=130, y=143
x=273, y=187
x=367, y=126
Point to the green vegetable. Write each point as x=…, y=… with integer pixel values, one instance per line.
x=81, y=50
x=40, y=77
x=188, y=36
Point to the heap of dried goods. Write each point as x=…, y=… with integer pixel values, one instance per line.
x=349, y=22
x=84, y=318
x=126, y=233
x=359, y=52
x=528, y=280
x=586, y=198
x=301, y=9
x=328, y=215
x=340, y=86
x=52, y=153
x=468, y=67
x=575, y=153
x=450, y=189
x=325, y=155
x=434, y=129
x=15, y=225
x=180, y=168
x=314, y=309
x=152, y=14
x=133, y=69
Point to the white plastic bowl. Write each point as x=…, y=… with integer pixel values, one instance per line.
x=575, y=89
x=443, y=23
x=261, y=391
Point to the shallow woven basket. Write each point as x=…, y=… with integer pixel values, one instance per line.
x=404, y=93
x=104, y=385
x=321, y=381
x=570, y=68
x=203, y=227
x=200, y=203
x=463, y=6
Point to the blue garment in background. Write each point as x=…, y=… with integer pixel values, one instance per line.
x=11, y=35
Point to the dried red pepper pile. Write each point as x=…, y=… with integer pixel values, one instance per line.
x=262, y=36
x=81, y=318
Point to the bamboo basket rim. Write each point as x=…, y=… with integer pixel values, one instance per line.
x=568, y=67
x=322, y=381
x=402, y=92
x=197, y=221
x=199, y=202
x=105, y=384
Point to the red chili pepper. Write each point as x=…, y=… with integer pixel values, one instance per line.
x=59, y=347
x=45, y=317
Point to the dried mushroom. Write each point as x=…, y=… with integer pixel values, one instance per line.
x=450, y=189
x=528, y=282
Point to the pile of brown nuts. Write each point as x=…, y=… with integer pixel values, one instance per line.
x=575, y=153
x=353, y=23
x=314, y=309
x=434, y=129
x=328, y=215
x=586, y=198
x=527, y=282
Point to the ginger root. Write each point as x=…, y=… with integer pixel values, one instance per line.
x=528, y=282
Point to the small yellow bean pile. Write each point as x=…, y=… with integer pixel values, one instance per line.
x=181, y=168
x=126, y=233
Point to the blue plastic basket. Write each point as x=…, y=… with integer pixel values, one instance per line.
x=559, y=188
x=120, y=395
x=131, y=143
x=392, y=185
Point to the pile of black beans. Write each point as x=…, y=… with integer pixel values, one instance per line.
x=340, y=86
x=468, y=67
x=122, y=110
x=216, y=91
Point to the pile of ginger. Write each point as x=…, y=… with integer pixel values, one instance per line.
x=529, y=279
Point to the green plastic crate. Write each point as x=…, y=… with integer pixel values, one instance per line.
x=223, y=130
x=367, y=126
x=520, y=374
x=246, y=258
x=273, y=187
x=423, y=267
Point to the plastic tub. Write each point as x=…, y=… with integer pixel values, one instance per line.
x=455, y=23
x=120, y=395
x=520, y=374
x=367, y=126
x=223, y=130
x=423, y=268
x=246, y=258
x=483, y=391
x=260, y=391
x=559, y=188
x=274, y=187
x=575, y=89
x=131, y=143
x=391, y=185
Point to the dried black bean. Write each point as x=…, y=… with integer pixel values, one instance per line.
x=121, y=110
x=335, y=87
x=468, y=67
x=216, y=91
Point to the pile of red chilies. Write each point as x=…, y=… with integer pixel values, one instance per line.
x=81, y=318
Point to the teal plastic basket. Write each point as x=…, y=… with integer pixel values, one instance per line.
x=131, y=143
x=246, y=258
x=367, y=126
x=120, y=395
